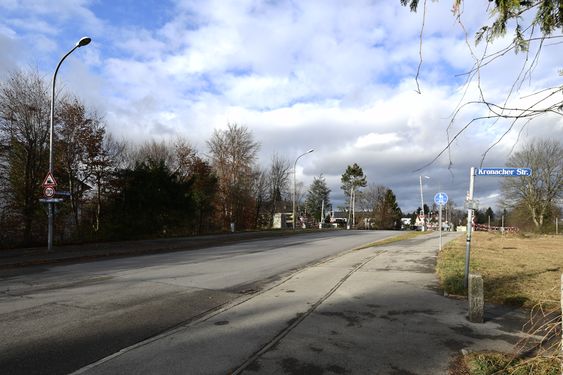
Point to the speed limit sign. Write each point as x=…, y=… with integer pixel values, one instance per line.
x=49, y=192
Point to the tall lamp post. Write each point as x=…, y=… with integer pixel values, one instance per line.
x=81, y=43
x=422, y=204
x=295, y=184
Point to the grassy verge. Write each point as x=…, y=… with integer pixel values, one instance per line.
x=521, y=270
x=517, y=270
x=497, y=363
x=401, y=237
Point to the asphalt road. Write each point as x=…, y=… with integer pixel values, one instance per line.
x=54, y=320
x=375, y=310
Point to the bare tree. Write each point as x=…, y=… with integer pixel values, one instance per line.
x=185, y=158
x=190, y=167
x=260, y=190
x=381, y=204
x=536, y=25
x=278, y=177
x=24, y=119
x=233, y=154
x=80, y=137
x=103, y=166
x=540, y=191
x=371, y=196
x=153, y=153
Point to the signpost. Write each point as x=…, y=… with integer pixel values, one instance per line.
x=472, y=204
x=440, y=199
x=49, y=184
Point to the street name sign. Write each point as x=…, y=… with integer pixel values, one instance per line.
x=504, y=172
x=441, y=198
x=471, y=204
x=50, y=200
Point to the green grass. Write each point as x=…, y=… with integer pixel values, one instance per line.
x=451, y=268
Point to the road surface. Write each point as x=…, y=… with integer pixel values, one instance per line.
x=55, y=320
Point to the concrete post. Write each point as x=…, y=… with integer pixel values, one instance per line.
x=476, y=298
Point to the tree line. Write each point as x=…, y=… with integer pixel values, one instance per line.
x=115, y=190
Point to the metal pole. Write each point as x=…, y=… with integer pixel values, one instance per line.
x=350, y=208
x=469, y=224
x=353, y=208
x=557, y=225
x=51, y=207
x=295, y=184
x=422, y=204
x=322, y=213
x=294, y=189
x=440, y=220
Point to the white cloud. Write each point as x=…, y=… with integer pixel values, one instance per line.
x=374, y=139
x=309, y=74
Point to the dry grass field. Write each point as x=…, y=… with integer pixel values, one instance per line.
x=517, y=269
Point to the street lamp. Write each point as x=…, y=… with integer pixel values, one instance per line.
x=422, y=204
x=81, y=43
x=295, y=185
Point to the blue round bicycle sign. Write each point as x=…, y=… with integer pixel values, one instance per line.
x=441, y=198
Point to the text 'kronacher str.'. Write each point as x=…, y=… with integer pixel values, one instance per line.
x=504, y=172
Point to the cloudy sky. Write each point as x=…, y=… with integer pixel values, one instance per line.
x=335, y=76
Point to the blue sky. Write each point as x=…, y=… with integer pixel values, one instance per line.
x=299, y=74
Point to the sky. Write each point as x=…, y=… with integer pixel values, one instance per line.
x=337, y=77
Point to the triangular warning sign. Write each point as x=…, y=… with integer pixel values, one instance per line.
x=49, y=180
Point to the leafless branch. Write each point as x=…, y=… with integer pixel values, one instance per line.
x=420, y=49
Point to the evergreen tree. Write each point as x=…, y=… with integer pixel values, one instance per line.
x=490, y=214
x=318, y=193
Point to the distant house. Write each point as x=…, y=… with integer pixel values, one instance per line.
x=339, y=218
x=419, y=222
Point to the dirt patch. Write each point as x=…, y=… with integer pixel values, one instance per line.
x=458, y=366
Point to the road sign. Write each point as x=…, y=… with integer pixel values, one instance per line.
x=504, y=172
x=49, y=191
x=50, y=200
x=441, y=198
x=49, y=181
x=471, y=204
